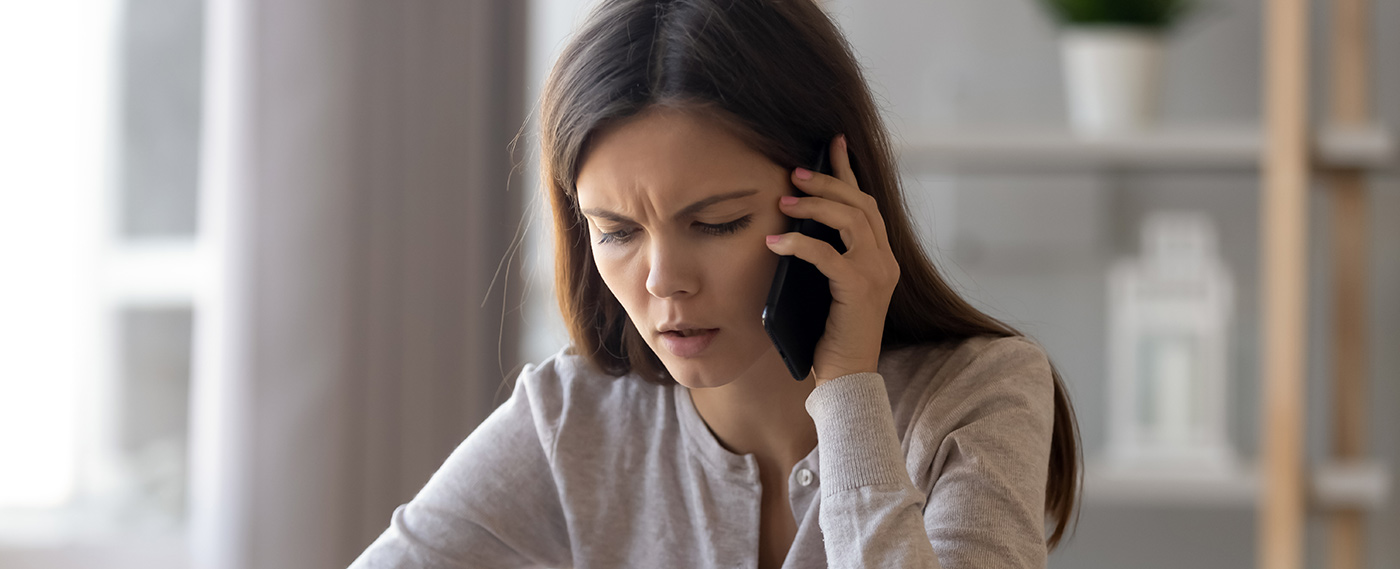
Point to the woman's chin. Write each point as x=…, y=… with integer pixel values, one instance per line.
x=696, y=374
x=696, y=379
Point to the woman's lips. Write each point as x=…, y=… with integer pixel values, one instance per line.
x=688, y=346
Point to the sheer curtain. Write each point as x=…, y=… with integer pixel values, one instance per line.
x=358, y=206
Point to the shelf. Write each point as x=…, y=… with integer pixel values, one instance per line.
x=1362, y=485
x=1203, y=147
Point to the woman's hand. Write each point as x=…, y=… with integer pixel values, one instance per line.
x=862, y=280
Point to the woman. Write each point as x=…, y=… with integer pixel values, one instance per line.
x=670, y=434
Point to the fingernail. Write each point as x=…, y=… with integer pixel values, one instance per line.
x=788, y=200
x=804, y=174
x=842, y=138
x=774, y=239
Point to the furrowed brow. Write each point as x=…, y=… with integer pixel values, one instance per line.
x=711, y=201
x=608, y=215
x=689, y=210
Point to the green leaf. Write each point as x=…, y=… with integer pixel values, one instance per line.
x=1159, y=14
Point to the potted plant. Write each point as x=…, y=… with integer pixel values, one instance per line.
x=1112, y=54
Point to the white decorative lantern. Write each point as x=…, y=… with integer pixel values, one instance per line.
x=1168, y=340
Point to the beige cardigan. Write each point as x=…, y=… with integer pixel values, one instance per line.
x=941, y=457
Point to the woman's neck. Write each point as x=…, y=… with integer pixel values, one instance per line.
x=763, y=413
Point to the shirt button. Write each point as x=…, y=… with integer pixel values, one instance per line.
x=804, y=477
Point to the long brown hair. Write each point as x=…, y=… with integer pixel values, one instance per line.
x=781, y=73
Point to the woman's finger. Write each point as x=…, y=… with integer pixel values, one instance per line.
x=851, y=222
x=841, y=164
x=829, y=187
x=853, y=278
x=815, y=251
x=843, y=188
x=841, y=161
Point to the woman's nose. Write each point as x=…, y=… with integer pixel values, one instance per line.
x=672, y=272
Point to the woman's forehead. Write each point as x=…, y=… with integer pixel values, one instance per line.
x=672, y=156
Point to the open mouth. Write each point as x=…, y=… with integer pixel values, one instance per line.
x=688, y=343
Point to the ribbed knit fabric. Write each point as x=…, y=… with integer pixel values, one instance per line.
x=938, y=460
x=859, y=444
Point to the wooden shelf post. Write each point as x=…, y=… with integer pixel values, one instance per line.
x=1284, y=230
x=1349, y=106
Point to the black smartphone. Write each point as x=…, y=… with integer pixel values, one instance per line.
x=800, y=298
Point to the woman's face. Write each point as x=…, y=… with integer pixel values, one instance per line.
x=677, y=209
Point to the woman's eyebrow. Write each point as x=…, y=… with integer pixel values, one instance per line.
x=690, y=209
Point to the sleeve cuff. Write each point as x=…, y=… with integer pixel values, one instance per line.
x=855, y=433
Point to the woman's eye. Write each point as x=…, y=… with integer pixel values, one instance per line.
x=614, y=237
x=726, y=228
x=625, y=235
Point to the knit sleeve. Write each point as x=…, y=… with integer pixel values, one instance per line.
x=991, y=425
x=493, y=503
x=871, y=513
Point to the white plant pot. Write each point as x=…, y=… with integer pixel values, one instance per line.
x=1112, y=77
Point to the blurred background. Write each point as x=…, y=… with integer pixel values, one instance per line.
x=266, y=262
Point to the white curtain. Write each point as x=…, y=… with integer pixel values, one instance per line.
x=357, y=203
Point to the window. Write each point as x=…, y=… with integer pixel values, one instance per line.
x=98, y=231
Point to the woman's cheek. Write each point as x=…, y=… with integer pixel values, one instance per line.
x=742, y=268
x=607, y=268
x=620, y=274
x=765, y=268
